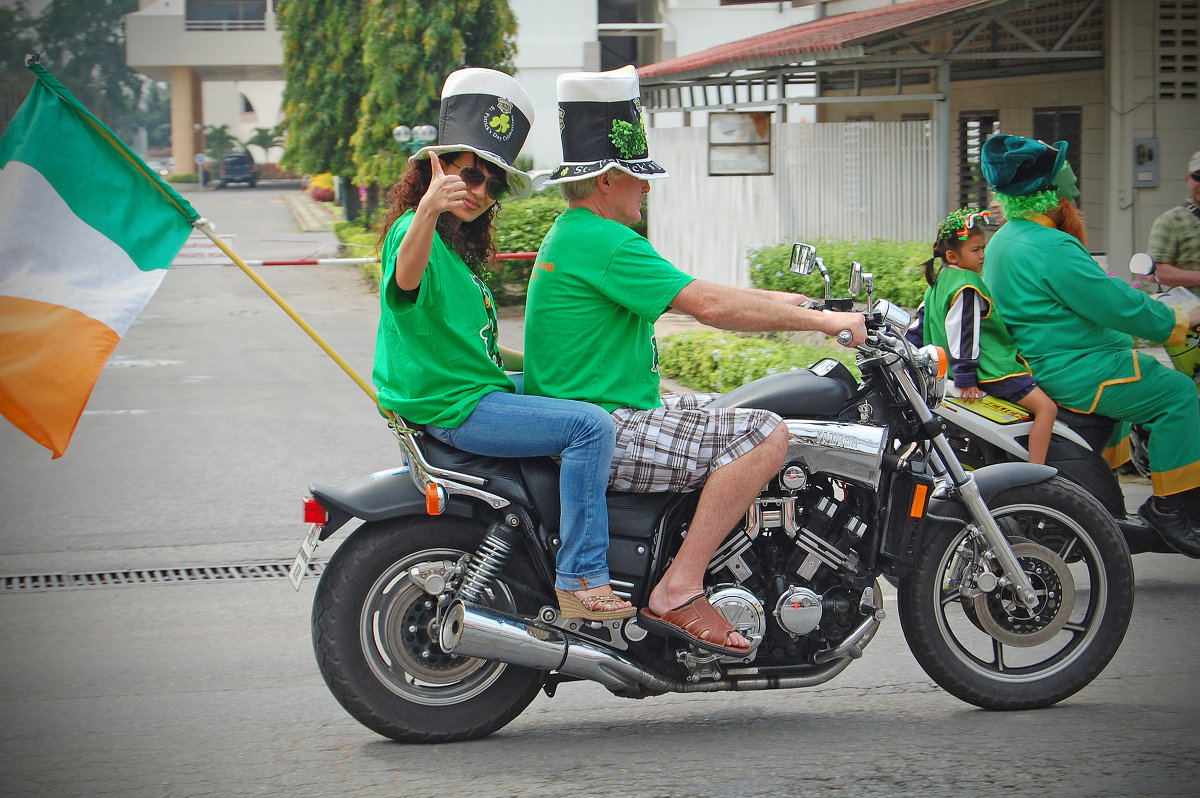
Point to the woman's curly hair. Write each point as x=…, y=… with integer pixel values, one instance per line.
x=471, y=241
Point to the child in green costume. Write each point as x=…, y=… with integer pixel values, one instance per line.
x=960, y=317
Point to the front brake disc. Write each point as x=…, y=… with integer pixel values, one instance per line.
x=1002, y=615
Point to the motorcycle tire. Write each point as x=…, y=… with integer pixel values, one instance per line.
x=991, y=651
x=374, y=634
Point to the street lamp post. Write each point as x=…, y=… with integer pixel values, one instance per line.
x=412, y=139
x=200, y=156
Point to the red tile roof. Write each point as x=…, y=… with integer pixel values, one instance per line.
x=821, y=35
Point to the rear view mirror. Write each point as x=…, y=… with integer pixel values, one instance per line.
x=804, y=258
x=856, y=278
x=1141, y=263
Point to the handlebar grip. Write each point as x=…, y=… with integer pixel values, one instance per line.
x=845, y=337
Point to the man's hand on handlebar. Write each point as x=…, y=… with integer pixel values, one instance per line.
x=854, y=323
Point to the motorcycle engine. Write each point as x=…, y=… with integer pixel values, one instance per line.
x=796, y=555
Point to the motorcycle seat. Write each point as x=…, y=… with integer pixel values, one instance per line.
x=533, y=482
x=1092, y=427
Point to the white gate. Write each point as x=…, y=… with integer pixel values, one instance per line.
x=842, y=180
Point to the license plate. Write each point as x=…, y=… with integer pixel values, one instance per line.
x=307, y=547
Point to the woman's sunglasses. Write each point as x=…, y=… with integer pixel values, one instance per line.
x=496, y=187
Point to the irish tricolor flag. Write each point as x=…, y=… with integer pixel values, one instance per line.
x=86, y=235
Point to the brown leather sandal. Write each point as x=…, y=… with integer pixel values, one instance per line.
x=697, y=622
x=592, y=608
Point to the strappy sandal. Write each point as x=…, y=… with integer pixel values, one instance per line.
x=592, y=608
x=695, y=621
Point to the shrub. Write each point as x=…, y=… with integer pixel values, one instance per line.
x=520, y=226
x=899, y=275
x=322, y=194
x=273, y=171
x=323, y=180
x=706, y=360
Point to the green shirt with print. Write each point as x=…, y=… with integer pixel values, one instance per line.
x=436, y=353
x=595, y=291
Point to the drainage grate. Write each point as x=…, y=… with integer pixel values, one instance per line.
x=151, y=576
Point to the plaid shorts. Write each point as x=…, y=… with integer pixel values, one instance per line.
x=675, y=447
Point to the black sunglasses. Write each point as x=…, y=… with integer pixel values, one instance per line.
x=496, y=187
x=1196, y=176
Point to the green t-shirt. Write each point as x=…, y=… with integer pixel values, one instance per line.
x=595, y=291
x=436, y=353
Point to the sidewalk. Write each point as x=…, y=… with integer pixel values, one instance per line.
x=312, y=216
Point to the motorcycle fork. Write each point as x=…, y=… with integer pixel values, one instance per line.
x=968, y=491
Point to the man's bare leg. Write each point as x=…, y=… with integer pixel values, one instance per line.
x=723, y=502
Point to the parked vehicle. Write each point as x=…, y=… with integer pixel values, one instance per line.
x=435, y=620
x=238, y=167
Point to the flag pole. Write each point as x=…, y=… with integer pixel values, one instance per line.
x=206, y=227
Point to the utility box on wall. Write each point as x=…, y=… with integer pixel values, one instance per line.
x=1145, y=163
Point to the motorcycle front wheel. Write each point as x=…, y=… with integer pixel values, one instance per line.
x=375, y=636
x=984, y=646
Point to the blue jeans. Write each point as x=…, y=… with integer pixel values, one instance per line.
x=513, y=425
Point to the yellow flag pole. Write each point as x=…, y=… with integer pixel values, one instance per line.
x=205, y=226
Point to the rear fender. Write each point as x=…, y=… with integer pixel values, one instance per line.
x=991, y=481
x=378, y=497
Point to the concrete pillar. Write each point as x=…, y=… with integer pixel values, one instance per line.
x=186, y=113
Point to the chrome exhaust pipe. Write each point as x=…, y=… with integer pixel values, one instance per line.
x=469, y=630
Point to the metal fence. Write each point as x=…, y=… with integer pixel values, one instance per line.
x=849, y=181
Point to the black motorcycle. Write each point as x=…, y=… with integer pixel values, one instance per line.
x=435, y=620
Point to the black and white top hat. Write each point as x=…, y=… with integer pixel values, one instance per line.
x=488, y=113
x=600, y=122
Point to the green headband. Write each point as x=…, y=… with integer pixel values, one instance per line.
x=959, y=223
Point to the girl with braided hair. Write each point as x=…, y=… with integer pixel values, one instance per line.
x=960, y=317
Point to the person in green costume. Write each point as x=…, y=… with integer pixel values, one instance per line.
x=1074, y=325
x=960, y=316
x=595, y=291
x=437, y=358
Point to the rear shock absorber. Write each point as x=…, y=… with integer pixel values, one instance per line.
x=489, y=558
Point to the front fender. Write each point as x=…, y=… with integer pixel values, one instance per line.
x=991, y=480
x=376, y=497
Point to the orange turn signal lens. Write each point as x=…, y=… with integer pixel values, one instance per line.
x=435, y=499
x=943, y=362
x=920, y=495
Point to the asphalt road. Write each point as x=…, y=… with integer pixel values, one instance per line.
x=195, y=450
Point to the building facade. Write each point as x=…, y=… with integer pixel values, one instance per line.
x=223, y=57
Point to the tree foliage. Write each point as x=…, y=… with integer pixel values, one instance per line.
x=410, y=46
x=83, y=44
x=326, y=79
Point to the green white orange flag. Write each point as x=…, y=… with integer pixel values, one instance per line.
x=87, y=232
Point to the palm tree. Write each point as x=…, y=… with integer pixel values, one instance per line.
x=265, y=138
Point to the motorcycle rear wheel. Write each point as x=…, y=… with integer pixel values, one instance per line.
x=1016, y=658
x=375, y=637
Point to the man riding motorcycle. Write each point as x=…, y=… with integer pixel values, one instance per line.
x=594, y=293
x=1075, y=326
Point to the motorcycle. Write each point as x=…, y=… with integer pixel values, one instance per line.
x=435, y=619
x=992, y=430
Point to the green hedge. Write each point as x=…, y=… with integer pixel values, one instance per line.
x=706, y=360
x=899, y=275
x=519, y=227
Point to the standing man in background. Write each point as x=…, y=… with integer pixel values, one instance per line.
x=1175, y=235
